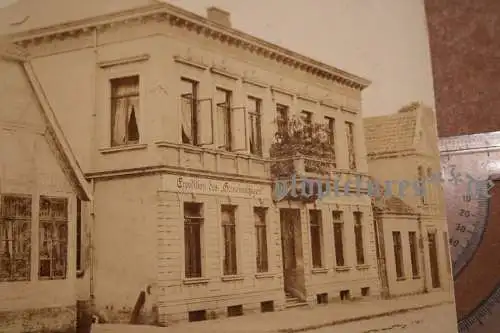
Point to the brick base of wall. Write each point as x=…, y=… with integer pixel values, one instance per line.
x=47, y=320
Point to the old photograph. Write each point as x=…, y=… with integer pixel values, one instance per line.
x=221, y=166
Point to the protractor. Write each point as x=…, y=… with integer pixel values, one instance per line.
x=471, y=167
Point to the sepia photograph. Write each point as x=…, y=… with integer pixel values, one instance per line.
x=233, y=166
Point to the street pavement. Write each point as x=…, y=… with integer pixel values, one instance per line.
x=439, y=319
x=324, y=318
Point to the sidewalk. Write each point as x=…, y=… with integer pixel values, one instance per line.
x=294, y=320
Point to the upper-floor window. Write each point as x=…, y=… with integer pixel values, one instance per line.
x=330, y=125
x=307, y=119
x=254, y=113
x=350, y=145
x=15, y=238
x=223, y=101
x=124, y=110
x=53, y=238
x=282, y=118
x=421, y=181
x=189, y=111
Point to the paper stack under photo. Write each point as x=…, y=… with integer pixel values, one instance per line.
x=226, y=166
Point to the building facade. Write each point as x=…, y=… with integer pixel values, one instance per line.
x=41, y=188
x=412, y=225
x=171, y=117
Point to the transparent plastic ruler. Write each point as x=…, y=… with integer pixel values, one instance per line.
x=471, y=170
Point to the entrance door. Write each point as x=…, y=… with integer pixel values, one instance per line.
x=291, y=247
x=433, y=257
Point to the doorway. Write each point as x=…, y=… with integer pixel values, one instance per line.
x=433, y=257
x=292, y=253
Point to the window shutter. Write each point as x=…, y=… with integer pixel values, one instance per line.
x=206, y=121
x=240, y=135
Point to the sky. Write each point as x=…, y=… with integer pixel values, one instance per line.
x=384, y=41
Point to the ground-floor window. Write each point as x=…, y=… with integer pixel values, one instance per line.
x=53, y=238
x=316, y=237
x=193, y=224
x=261, y=239
x=338, y=238
x=228, y=215
x=415, y=269
x=15, y=237
x=398, y=254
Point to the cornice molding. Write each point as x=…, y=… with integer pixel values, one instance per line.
x=190, y=62
x=186, y=20
x=224, y=73
x=123, y=61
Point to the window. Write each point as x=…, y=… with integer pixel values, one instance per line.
x=15, y=238
x=350, y=145
x=315, y=225
x=282, y=118
x=189, y=111
x=330, y=124
x=223, y=101
x=423, y=195
x=306, y=117
x=53, y=238
x=79, y=235
x=398, y=254
x=338, y=235
x=413, y=253
x=124, y=111
x=358, y=236
x=254, y=113
x=229, y=235
x=261, y=233
x=193, y=223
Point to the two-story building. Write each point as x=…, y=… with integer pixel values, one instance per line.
x=41, y=190
x=171, y=116
x=403, y=154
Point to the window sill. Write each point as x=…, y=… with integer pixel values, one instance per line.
x=362, y=267
x=401, y=279
x=342, y=268
x=117, y=149
x=319, y=270
x=195, y=280
x=80, y=274
x=417, y=277
x=264, y=275
x=232, y=278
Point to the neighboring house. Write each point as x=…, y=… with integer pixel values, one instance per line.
x=171, y=117
x=41, y=187
x=404, y=147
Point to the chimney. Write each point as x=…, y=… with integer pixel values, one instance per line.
x=219, y=16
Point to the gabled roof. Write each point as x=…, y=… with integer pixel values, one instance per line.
x=393, y=133
x=9, y=52
x=393, y=205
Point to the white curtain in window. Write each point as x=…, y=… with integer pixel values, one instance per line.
x=120, y=121
x=187, y=114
